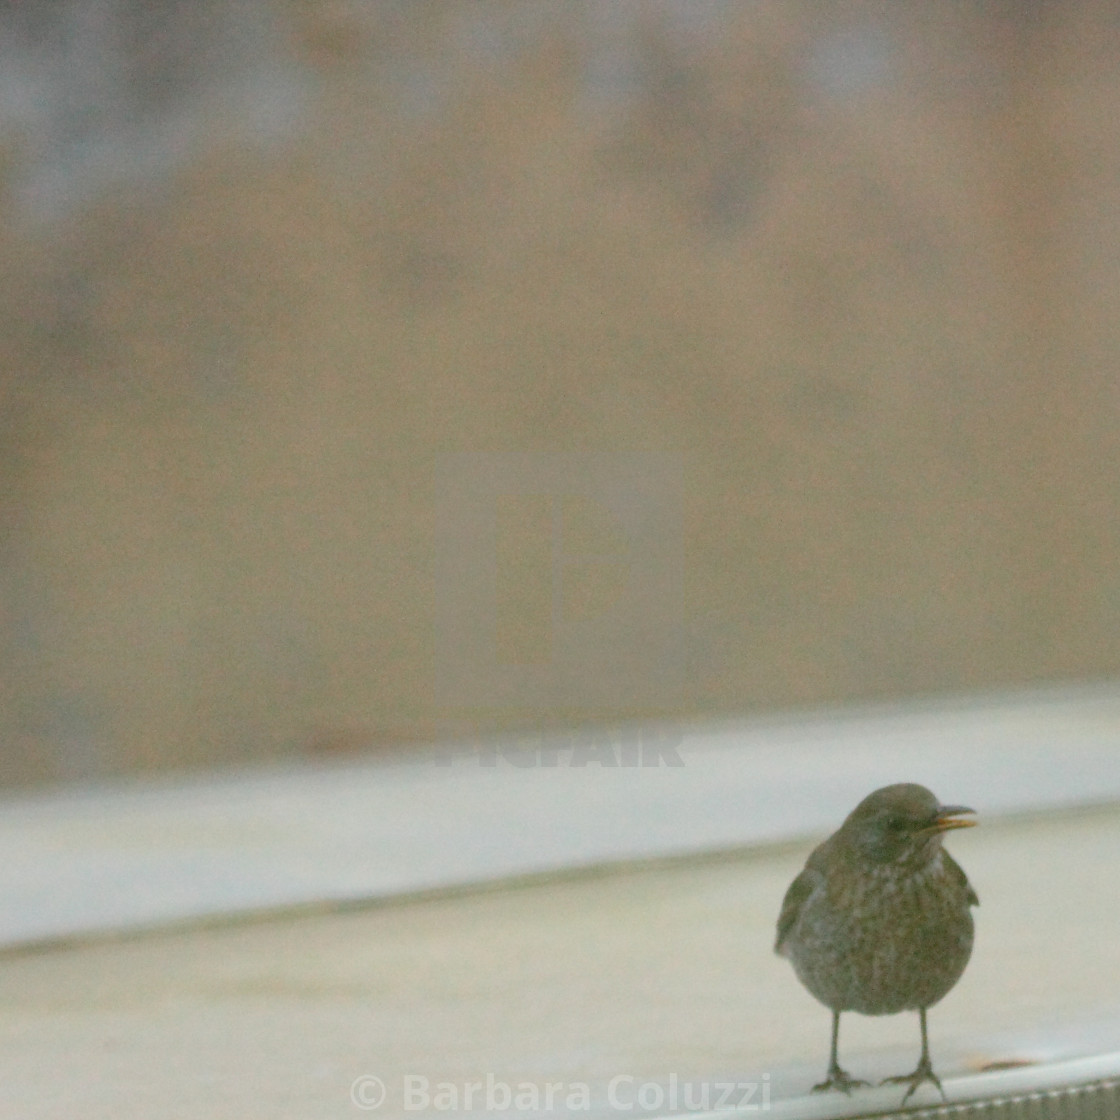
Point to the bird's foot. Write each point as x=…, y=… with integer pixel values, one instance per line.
x=924, y=1072
x=838, y=1079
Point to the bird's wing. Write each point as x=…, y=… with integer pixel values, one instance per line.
x=957, y=872
x=799, y=891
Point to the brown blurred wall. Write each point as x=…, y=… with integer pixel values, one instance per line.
x=848, y=274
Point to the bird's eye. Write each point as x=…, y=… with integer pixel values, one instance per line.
x=895, y=824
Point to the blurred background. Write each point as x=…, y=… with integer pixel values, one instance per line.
x=390, y=371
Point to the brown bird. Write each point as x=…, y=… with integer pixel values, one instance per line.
x=880, y=921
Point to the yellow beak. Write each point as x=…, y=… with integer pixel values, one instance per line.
x=952, y=816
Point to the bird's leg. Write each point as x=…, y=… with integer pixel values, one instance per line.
x=924, y=1072
x=837, y=1078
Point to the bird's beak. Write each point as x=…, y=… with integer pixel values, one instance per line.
x=951, y=816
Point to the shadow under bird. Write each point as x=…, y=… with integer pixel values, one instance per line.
x=880, y=920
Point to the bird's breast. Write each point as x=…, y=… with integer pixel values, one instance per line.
x=882, y=938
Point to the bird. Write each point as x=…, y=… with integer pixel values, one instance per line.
x=880, y=919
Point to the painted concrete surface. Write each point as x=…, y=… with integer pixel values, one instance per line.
x=609, y=985
x=146, y=854
x=607, y=991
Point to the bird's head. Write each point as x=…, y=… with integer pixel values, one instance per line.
x=902, y=824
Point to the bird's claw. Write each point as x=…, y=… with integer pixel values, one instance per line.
x=924, y=1072
x=838, y=1079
